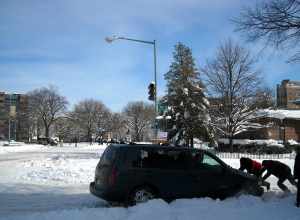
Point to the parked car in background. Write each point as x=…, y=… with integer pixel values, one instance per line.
x=46, y=141
x=135, y=173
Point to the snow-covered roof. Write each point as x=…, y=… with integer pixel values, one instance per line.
x=279, y=114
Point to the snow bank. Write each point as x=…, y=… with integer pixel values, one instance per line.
x=242, y=208
x=11, y=143
x=269, y=142
x=67, y=147
x=279, y=114
x=19, y=148
x=59, y=169
x=292, y=142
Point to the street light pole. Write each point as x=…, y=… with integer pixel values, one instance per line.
x=9, y=122
x=113, y=38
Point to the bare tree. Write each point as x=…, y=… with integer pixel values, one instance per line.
x=233, y=80
x=47, y=105
x=275, y=21
x=34, y=124
x=76, y=132
x=91, y=116
x=118, y=125
x=103, y=125
x=63, y=128
x=264, y=98
x=139, y=117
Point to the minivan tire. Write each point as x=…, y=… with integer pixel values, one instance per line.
x=140, y=195
x=256, y=190
x=252, y=189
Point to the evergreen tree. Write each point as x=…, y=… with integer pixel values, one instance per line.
x=186, y=101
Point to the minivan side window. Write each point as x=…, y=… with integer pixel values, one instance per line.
x=157, y=159
x=208, y=160
x=133, y=158
x=211, y=164
x=163, y=159
x=108, y=157
x=202, y=160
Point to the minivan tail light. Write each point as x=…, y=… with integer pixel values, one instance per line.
x=113, y=177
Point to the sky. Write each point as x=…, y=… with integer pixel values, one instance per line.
x=61, y=43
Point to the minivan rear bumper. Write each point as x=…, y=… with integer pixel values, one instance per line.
x=109, y=195
x=94, y=191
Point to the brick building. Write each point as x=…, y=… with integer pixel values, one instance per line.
x=281, y=125
x=277, y=124
x=288, y=94
x=13, y=117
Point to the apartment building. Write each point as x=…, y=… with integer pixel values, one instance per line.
x=13, y=117
x=288, y=95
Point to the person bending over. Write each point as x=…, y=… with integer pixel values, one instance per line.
x=253, y=167
x=280, y=170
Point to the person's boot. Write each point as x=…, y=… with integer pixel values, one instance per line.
x=266, y=184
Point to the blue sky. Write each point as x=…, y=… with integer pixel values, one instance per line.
x=61, y=42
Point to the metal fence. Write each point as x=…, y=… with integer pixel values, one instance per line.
x=227, y=155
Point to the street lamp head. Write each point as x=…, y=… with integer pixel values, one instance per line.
x=111, y=39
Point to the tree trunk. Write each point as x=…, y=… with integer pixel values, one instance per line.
x=231, y=143
x=192, y=142
x=89, y=136
x=47, y=133
x=38, y=131
x=187, y=142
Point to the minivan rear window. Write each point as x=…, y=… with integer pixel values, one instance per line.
x=107, y=157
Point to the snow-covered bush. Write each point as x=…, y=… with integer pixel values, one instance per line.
x=255, y=146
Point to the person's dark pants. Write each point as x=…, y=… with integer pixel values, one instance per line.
x=282, y=179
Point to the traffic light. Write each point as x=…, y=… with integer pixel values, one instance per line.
x=151, y=91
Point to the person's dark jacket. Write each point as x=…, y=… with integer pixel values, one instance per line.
x=245, y=164
x=276, y=168
x=297, y=166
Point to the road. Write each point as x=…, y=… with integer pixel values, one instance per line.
x=18, y=196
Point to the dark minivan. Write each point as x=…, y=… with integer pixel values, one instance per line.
x=136, y=173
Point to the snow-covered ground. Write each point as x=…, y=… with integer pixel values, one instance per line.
x=38, y=182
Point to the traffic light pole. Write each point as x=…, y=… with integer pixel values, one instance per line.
x=9, y=122
x=155, y=81
x=111, y=39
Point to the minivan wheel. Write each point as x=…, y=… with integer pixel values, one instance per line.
x=257, y=191
x=253, y=190
x=141, y=195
